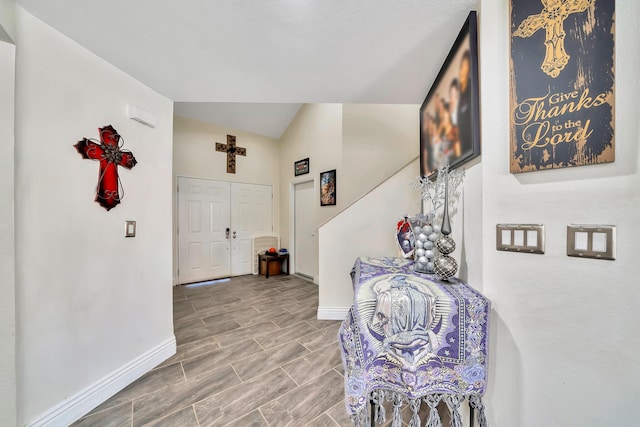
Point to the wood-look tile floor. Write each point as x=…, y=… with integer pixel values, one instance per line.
x=250, y=353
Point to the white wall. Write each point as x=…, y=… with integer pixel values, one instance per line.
x=365, y=228
x=467, y=228
x=7, y=259
x=316, y=133
x=7, y=19
x=365, y=143
x=195, y=155
x=91, y=305
x=388, y=202
x=376, y=138
x=564, y=341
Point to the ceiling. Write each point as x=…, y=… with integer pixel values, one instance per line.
x=229, y=61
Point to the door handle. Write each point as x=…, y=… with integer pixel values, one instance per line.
x=227, y=233
x=234, y=234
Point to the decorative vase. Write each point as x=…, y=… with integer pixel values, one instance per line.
x=445, y=266
x=425, y=240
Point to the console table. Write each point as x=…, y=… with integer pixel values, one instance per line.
x=410, y=338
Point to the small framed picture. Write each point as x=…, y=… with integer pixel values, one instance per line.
x=328, y=188
x=301, y=167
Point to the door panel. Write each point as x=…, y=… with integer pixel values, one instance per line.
x=252, y=207
x=195, y=208
x=194, y=259
x=203, y=212
x=240, y=229
x=262, y=210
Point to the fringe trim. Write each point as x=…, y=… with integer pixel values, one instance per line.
x=356, y=419
x=476, y=403
x=434, y=418
x=453, y=402
x=378, y=397
x=415, y=407
x=396, y=420
x=367, y=415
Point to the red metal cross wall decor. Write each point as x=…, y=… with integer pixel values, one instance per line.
x=110, y=155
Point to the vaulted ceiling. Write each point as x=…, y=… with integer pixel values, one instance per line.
x=204, y=54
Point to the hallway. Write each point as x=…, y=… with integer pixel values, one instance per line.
x=250, y=353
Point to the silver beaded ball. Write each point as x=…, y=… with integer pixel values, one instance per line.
x=446, y=245
x=445, y=267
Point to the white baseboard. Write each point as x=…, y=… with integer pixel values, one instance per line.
x=71, y=409
x=332, y=313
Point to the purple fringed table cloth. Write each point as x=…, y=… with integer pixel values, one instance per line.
x=410, y=338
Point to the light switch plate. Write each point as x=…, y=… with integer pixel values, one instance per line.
x=591, y=241
x=525, y=238
x=130, y=229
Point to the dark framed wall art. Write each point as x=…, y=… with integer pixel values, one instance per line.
x=562, y=84
x=449, y=116
x=328, y=188
x=301, y=167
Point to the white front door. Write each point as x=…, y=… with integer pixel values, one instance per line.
x=252, y=215
x=216, y=222
x=203, y=218
x=304, y=229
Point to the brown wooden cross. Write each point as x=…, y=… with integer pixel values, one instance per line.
x=552, y=20
x=231, y=149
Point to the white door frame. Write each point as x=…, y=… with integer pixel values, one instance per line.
x=176, y=237
x=292, y=218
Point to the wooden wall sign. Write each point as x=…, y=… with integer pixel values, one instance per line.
x=562, y=83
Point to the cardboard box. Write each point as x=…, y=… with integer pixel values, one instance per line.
x=275, y=267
